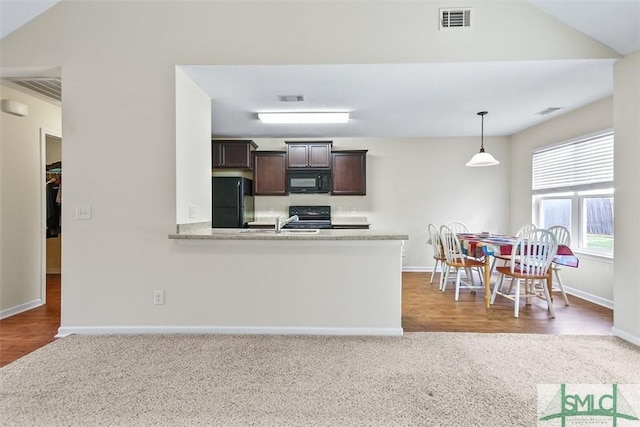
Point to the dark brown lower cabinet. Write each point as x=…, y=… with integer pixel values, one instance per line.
x=269, y=173
x=349, y=172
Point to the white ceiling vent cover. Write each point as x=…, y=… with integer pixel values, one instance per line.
x=455, y=19
x=549, y=111
x=50, y=87
x=290, y=98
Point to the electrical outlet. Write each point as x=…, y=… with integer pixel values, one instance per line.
x=353, y=210
x=192, y=211
x=158, y=297
x=269, y=209
x=339, y=209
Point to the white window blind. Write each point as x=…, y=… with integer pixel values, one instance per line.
x=575, y=166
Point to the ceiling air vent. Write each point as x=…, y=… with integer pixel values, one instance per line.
x=451, y=19
x=549, y=111
x=290, y=98
x=51, y=87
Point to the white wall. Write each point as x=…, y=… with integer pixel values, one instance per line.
x=193, y=151
x=21, y=234
x=626, y=320
x=54, y=149
x=593, y=279
x=277, y=287
x=119, y=125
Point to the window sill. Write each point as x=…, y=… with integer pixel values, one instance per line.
x=593, y=255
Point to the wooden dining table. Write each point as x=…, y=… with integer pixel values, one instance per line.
x=487, y=245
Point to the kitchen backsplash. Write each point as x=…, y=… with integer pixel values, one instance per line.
x=354, y=219
x=272, y=206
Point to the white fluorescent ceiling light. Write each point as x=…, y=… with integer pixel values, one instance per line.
x=303, y=118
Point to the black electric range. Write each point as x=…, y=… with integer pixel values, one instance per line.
x=310, y=217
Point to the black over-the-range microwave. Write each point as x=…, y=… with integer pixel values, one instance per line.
x=308, y=181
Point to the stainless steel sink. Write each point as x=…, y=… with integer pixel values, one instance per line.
x=296, y=231
x=301, y=231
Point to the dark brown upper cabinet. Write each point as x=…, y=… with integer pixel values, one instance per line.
x=349, y=173
x=309, y=155
x=232, y=154
x=269, y=177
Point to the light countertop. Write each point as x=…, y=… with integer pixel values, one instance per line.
x=287, y=234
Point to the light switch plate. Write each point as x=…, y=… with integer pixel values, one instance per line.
x=83, y=212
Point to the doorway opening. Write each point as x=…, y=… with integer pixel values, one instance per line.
x=51, y=232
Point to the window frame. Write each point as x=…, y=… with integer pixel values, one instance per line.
x=577, y=218
x=577, y=194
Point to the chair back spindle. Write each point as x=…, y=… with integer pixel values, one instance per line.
x=451, y=245
x=436, y=242
x=457, y=227
x=535, y=253
x=525, y=229
x=562, y=234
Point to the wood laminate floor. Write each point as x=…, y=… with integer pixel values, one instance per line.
x=32, y=329
x=424, y=309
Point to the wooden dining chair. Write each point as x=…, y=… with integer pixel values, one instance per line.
x=456, y=261
x=438, y=253
x=461, y=227
x=522, y=231
x=534, y=253
x=563, y=237
x=457, y=227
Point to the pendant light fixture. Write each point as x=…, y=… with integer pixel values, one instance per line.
x=482, y=158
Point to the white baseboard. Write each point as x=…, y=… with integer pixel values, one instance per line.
x=410, y=269
x=64, y=331
x=625, y=336
x=20, y=308
x=589, y=297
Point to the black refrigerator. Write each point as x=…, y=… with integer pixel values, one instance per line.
x=232, y=201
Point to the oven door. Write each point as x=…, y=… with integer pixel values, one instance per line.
x=302, y=224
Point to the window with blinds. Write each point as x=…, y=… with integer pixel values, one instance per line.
x=572, y=186
x=585, y=164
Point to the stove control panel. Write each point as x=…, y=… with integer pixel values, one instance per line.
x=310, y=211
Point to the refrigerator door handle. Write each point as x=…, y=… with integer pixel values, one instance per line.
x=239, y=204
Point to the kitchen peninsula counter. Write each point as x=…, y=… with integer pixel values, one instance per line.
x=286, y=234
x=256, y=281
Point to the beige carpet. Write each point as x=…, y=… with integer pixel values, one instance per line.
x=420, y=379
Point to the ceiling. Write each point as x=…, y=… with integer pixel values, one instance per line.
x=410, y=100
x=16, y=13
x=400, y=100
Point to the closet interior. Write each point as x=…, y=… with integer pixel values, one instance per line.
x=53, y=191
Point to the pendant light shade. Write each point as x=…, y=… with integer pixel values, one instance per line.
x=482, y=158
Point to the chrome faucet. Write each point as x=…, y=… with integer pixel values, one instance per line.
x=280, y=222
